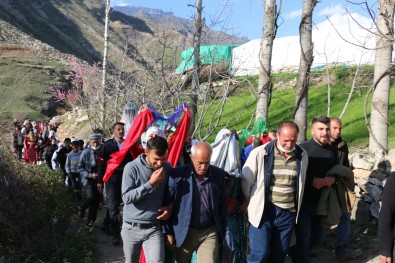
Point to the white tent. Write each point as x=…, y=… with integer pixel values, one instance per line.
x=331, y=45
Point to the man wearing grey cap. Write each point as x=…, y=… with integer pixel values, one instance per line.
x=87, y=168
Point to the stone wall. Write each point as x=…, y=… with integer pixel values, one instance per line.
x=370, y=173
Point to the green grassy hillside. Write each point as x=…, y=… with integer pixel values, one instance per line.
x=241, y=105
x=24, y=88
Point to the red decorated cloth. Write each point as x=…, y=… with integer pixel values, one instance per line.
x=139, y=125
x=130, y=144
x=177, y=140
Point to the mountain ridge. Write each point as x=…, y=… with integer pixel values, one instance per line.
x=51, y=32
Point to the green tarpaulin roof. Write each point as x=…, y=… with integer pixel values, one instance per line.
x=208, y=54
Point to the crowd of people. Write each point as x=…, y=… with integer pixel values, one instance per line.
x=270, y=185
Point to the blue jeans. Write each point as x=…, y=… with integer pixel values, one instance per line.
x=270, y=241
x=150, y=239
x=343, y=229
x=309, y=231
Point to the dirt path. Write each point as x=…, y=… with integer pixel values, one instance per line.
x=106, y=251
x=363, y=237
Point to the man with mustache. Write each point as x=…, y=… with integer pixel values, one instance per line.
x=343, y=252
x=274, y=176
x=322, y=157
x=111, y=224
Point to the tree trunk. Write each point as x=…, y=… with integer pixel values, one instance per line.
x=378, y=137
x=306, y=59
x=265, y=59
x=104, y=76
x=193, y=98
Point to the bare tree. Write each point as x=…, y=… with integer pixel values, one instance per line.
x=265, y=59
x=378, y=136
x=306, y=60
x=354, y=87
x=103, y=99
x=196, y=62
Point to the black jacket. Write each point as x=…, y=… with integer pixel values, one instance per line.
x=386, y=227
x=61, y=156
x=342, y=151
x=108, y=148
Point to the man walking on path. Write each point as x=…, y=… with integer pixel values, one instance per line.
x=62, y=156
x=198, y=221
x=113, y=185
x=344, y=226
x=274, y=176
x=144, y=184
x=73, y=158
x=322, y=157
x=87, y=168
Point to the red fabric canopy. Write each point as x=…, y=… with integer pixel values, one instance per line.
x=177, y=140
x=139, y=125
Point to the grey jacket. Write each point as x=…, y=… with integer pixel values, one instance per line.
x=87, y=164
x=141, y=200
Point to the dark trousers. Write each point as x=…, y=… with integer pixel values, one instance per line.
x=113, y=200
x=76, y=185
x=18, y=149
x=309, y=231
x=90, y=199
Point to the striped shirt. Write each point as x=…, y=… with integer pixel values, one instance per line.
x=283, y=182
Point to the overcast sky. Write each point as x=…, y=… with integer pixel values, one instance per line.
x=245, y=17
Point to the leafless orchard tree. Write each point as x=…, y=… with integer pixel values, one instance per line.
x=354, y=86
x=384, y=34
x=165, y=90
x=328, y=78
x=102, y=100
x=265, y=59
x=378, y=139
x=196, y=61
x=147, y=75
x=306, y=60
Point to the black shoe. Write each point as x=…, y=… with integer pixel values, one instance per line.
x=347, y=253
x=116, y=241
x=106, y=229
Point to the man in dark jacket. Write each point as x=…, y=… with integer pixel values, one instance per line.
x=114, y=184
x=87, y=167
x=198, y=221
x=344, y=227
x=322, y=157
x=61, y=157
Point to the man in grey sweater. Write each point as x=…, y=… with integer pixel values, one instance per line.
x=144, y=186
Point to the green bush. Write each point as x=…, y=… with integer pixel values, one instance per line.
x=31, y=197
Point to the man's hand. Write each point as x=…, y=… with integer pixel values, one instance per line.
x=170, y=241
x=165, y=212
x=318, y=183
x=385, y=259
x=94, y=175
x=142, y=108
x=99, y=187
x=329, y=181
x=157, y=176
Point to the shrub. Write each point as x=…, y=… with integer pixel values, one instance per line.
x=31, y=197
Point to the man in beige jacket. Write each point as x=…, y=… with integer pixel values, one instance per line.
x=274, y=176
